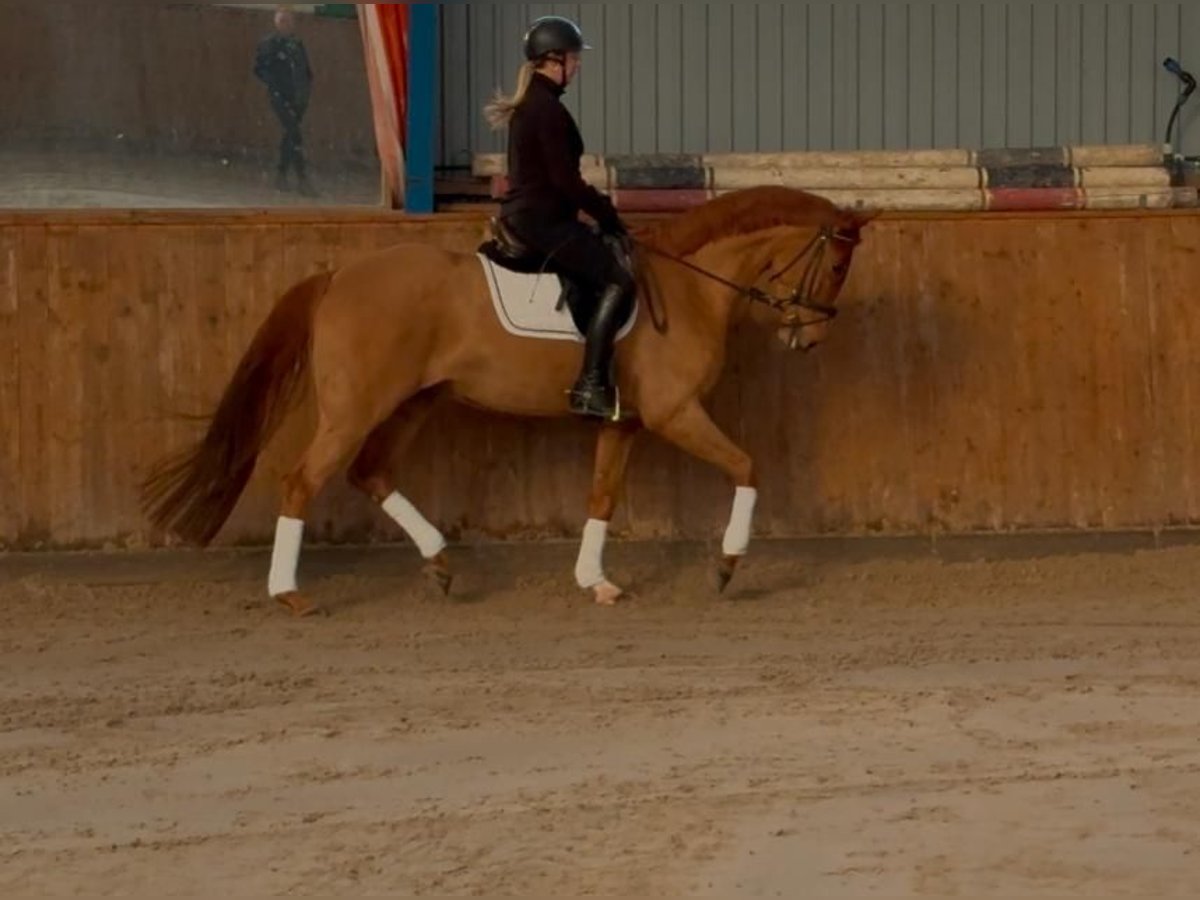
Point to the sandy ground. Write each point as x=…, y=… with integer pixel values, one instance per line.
x=830, y=728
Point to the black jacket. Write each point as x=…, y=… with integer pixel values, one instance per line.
x=281, y=63
x=544, y=151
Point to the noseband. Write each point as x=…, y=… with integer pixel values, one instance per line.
x=800, y=298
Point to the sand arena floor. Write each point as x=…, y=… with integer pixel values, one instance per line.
x=832, y=727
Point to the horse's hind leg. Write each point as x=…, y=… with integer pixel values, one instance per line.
x=329, y=448
x=371, y=473
x=612, y=458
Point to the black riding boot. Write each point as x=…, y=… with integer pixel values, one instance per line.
x=594, y=394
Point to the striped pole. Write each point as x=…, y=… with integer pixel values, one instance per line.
x=1086, y=156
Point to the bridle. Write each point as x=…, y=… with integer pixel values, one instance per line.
x=800, y=298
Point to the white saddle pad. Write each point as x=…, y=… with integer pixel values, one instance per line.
x=525, y=304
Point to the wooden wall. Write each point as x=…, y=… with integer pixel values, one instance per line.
x=992, y=372
x=171, y=78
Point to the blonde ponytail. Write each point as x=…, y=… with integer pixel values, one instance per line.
x=499, y=111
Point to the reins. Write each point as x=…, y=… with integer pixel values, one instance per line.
x=801, y=297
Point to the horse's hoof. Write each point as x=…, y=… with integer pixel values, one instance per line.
x=724, y=572
x=299, y=605
x=607, y=594
x=438, y=571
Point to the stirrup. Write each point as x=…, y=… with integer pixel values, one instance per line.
x=596, y=411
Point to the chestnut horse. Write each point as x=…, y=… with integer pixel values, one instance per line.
x=383, y=338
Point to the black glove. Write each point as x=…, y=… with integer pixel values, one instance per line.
x=609, y=220
x=614, y=226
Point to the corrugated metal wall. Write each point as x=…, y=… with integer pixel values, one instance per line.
x=693, y=77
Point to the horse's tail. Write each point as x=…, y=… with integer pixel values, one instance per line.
x=193, y=493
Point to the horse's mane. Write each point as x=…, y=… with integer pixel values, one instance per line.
x=740, y=212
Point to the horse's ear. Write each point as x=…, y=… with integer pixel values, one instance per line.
x=864, y=217
x=854, y=220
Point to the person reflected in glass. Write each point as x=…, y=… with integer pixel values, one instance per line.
x=281, y=63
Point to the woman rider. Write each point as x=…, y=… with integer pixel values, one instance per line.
x=546, y=193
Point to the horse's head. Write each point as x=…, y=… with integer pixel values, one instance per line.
x=783, y=248
x=802, y=274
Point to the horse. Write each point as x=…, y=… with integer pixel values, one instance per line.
x=382, y=339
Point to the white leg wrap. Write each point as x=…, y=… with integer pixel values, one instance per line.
x=589, y=570
x=427, y=538
x=289, y=533
x=737, y=535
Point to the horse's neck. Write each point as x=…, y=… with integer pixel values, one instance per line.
x=736, y=261
x=737, y=257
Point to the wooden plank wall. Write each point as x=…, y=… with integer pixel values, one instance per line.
x=992, y=372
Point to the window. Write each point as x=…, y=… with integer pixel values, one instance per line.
x=138, y=105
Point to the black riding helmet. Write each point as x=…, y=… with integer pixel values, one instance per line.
x=553, y=34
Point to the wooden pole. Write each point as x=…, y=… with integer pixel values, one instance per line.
x=1084, y=156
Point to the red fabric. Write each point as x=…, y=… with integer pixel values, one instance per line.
x=393, y=25
x=385, y=31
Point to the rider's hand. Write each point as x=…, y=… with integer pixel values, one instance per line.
x=615, y=227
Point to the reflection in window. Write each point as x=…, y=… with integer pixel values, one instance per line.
x=184, y=105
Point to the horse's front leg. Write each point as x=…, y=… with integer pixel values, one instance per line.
x=612, y=457
x=691, y=429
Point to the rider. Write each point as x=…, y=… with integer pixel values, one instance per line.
x=547, y=191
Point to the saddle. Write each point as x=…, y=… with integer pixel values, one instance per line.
x=507, y=251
